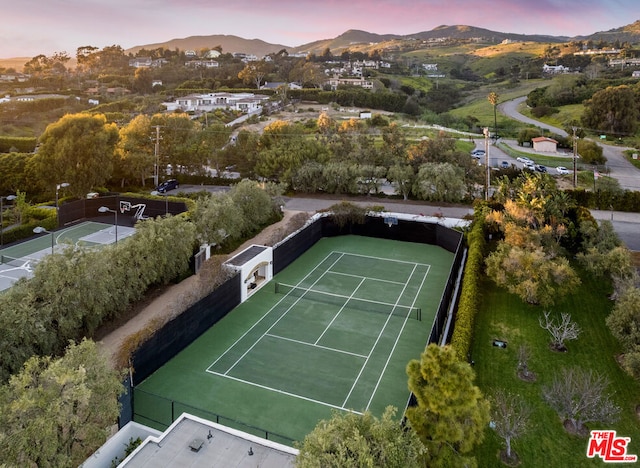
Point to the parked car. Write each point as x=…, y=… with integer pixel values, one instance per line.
x=524, y=160
x=477, y=153
x=562, y=170
x=541, y=168
x=167, y=185
x=505, y=165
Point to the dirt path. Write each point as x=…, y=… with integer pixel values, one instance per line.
x=161, y=305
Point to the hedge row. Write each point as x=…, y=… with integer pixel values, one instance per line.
x=9, y=144
x=44, y=217
x=606, y=200
x=73, y=292
x=470, y=294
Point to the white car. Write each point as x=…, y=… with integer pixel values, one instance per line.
x=562, y=170
x=526, y=161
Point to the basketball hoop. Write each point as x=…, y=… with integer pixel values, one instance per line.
x=390, y=220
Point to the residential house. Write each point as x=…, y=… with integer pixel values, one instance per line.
x=361, y=82
x=244, y=102
x=554, y=69
x=202, y=64
x=140, y=62
x=10, y=77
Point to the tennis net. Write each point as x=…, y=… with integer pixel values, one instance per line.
x=366, y=305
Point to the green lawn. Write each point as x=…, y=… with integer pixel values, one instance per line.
x=504, y=316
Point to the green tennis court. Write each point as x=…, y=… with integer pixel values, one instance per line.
x=333, y=331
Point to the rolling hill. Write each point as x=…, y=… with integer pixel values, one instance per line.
x=228, y=43
x=364, y=41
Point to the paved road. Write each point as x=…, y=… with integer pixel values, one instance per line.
x=622, y=170
x=626, y=225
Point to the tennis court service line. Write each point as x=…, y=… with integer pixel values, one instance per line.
x=379, y=337
x=315, y=345
x=358, y=276
x=284, y=392
x=383, y=259
x=386, y=364
x=266, y=314
x=362, y=280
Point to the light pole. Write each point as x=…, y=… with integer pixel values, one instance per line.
x=486, y=161
x=104, y=209
x=575, y=157
x=8, y=197
x=58, y=187
x=40, y=230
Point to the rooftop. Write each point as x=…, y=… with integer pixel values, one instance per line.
x=195, y=442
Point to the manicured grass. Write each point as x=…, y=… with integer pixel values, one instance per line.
x=504, y=316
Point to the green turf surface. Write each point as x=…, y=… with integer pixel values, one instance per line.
x=546, y=444
x=282, y=362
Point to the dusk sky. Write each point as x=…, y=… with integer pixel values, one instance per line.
x=33, y=27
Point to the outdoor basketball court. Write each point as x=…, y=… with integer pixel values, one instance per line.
x=333, y=332
x=19, y=260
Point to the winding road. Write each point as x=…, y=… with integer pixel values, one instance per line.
x=619, y=168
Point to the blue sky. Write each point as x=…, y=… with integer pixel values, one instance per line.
x=32, y=27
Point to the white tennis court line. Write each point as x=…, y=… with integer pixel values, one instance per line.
x=328, y=270
x=380, y=336
x=386, y=364
x=277, y=321
x=265, y=315
x=284, y=392
x=383, y=259
x=358, y=276
x=362, y=280
x=315, y=345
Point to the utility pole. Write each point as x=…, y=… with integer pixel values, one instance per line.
x=486, y=163
x=575, y=157
x=157, y=155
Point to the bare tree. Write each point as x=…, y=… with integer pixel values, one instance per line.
x=524, y=354
x=578, y=396
x=510, y=417
x=561, y=331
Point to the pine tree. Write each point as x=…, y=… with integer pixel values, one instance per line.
x=451, y=415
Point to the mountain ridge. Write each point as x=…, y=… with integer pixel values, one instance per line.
x=353, y=37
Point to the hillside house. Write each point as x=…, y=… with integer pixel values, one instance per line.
x=202, y=64
x=545, y=145
x=244, y=102
x=361, y=82
x=554, y=69
x=140, y=62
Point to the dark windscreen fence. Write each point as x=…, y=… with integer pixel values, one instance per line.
x=177, y=334
x=291, y=248
x=349, y=302
x=448, y=296
x=126, y=403
x=130, y=209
